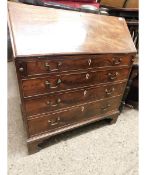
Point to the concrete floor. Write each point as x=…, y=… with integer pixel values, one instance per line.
x=96, y=149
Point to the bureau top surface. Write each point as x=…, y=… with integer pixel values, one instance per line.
x=46, y=31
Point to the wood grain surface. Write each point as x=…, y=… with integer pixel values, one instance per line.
x=45, y=31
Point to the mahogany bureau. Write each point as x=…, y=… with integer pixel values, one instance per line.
x=72, y=68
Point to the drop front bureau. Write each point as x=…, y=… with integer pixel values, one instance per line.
x=72, y=68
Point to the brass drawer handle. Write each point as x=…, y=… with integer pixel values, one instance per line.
x=49, y=84
x=109, y=92
x=53, y=87
x=113, y=76
x=54, y=122
x=48, y=66
x=57, y=103
x=54, y=105
x=117, y=61
x=106, y=107
x=51, y=104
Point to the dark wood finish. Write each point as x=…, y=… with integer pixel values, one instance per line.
x=71, y=70
x=46, y=65
x=34, y=143
x=43, y=104
x=83, y=33
x=113, y=119
x=45, y=123
x=33, y=147
x=55, y=83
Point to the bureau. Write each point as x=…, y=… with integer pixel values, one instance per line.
x=72, y=68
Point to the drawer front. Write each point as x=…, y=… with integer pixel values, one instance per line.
x=55, y=83
x=54, y=121
x=58, y=101
x=71, y=63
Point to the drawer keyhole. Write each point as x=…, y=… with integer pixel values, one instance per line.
x=85, y=93
x=87, y=76
x=89, y=62
x=82, y=108
x=58, y=101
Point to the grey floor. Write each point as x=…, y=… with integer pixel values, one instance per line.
x=97, y=149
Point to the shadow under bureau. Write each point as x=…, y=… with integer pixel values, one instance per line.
x=72, y=68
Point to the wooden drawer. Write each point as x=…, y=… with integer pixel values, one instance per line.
x=70, y=63
x=58, y=101
x=56, y=120
x=37, y=86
